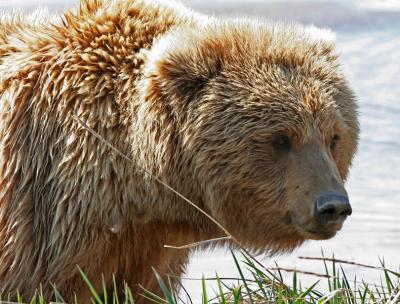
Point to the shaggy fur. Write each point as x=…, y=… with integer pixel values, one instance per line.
x=195, y=101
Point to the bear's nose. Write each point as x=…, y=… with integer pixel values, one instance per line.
x=331, y=207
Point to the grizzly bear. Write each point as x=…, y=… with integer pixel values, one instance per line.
x=251, y=121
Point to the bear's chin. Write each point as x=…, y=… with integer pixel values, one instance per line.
x=319, y=236
x=284, y=242
x=318, y=233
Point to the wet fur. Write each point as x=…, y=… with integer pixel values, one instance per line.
x=157, y=82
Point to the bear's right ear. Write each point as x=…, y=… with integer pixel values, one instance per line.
x=179, y=66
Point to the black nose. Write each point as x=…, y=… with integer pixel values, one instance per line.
x=332, y=206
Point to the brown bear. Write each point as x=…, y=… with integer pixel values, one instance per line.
x=251, y=121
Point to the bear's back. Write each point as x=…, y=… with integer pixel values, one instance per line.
x=84, y=62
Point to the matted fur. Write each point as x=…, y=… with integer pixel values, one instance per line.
x=194, y=100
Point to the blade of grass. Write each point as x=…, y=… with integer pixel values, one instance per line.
x=261, y=286
x=58, y=297
x=92, y=290
x=105, y=295
x=152, y=297
x=221, y=293
x=388, y=280
x=185, y=291
x=172, y=289
x=327, y=272
x=308, y=291
x=350, y=294
x=237, y=295
x=19, y=298
x=115, y=292
x=294, y=286
x=164, y=288
x=128, y=294
x=242, y=277
x=204, y=289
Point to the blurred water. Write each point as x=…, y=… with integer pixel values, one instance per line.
x=368, y=38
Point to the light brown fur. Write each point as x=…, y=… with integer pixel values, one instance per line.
x=194, y=100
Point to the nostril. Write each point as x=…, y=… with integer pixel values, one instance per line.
x=346, y=212
x=328, y=211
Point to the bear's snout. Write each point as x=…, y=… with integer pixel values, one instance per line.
x=320, y=207
x=332, y=208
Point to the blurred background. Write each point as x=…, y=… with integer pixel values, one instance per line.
x=368, y=40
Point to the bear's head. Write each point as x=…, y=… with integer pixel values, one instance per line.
x=267, y=125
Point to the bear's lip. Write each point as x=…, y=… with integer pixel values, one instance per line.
x=319, y=235
x=315, y=231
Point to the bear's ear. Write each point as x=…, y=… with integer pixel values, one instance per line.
x=180, y=65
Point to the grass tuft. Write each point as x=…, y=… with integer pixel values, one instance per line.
x=255, y=284
x=258, y=285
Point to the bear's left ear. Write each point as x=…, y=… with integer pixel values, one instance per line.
x=180, y=65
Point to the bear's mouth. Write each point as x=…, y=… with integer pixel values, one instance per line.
x=320, y=234
x=314, y=230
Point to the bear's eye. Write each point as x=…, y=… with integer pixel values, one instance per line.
x=334, y=141
x=282, y=143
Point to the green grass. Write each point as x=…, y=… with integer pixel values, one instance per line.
x=256, y=284
x=262, y=285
